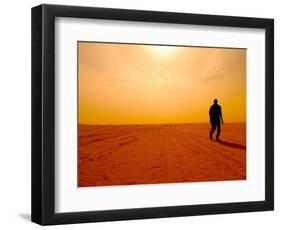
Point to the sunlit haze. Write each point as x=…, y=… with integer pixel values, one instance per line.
x=145, y=84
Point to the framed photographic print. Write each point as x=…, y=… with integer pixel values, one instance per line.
x=144, y=114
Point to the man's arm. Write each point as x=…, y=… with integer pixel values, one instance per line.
x=210, y=113
x=221, y=116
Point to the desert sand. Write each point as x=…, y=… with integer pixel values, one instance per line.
x=150, y=154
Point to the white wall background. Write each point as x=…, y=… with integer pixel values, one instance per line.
x=15, y=167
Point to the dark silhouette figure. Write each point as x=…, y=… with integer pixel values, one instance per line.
x=215, y=119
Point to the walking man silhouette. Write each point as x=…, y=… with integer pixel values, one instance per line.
x=215, y=119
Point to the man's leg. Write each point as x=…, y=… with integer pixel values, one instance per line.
x=218, y=131
x=212, y=131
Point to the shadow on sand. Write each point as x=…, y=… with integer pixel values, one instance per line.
x=233, y=145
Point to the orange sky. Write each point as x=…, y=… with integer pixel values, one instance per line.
x=144, y=84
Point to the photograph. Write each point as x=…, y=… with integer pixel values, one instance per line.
x=160, y=113
x=141, y=114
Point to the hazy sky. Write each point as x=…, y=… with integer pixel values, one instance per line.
x=144, y=84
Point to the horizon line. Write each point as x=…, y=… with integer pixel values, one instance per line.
x=234, y=122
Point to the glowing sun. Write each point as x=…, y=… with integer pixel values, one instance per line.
x=163, y=50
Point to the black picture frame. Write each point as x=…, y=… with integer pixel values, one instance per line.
x=43, y=114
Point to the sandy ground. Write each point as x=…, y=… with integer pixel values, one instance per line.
x=149, y=154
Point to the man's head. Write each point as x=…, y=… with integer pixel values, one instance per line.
x=215, y=101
